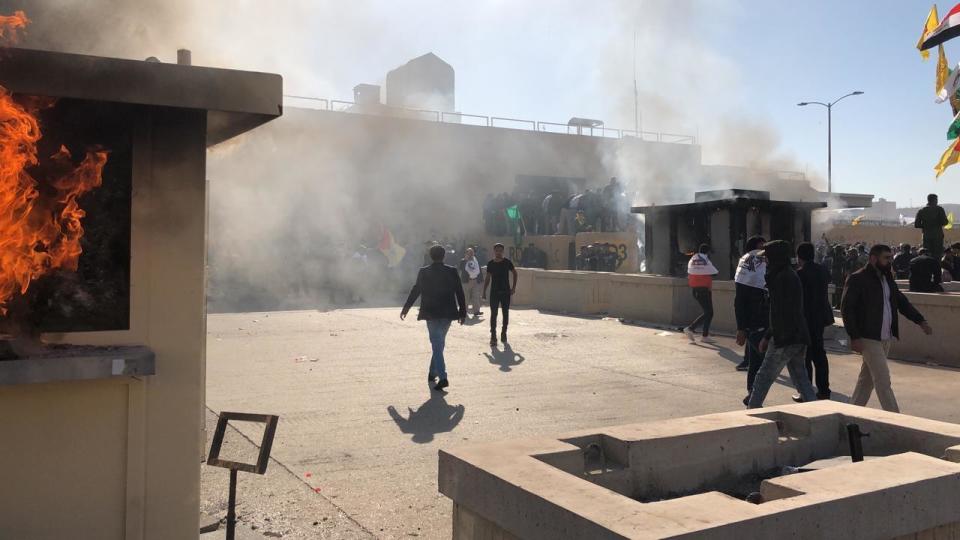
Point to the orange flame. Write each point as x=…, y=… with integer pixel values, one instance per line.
x=11, y=24
x=40, y=230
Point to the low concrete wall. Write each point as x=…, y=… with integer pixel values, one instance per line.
x=668, y=301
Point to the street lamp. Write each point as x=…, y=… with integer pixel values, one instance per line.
x=829, y=107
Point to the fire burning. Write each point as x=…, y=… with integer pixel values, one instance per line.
x=40, y=218
x=11, y=24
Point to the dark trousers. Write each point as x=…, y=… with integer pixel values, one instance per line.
x=753, y=356
x=497, y=300
x=817, y=362
x=704, y=297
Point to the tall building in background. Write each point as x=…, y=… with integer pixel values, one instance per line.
x=426, y=82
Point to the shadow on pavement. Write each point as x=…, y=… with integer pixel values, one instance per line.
x=506, y=358
x=434, y=416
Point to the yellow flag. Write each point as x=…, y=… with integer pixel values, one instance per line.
x=943, y=71
x=949, y=224
x=950, y=157
x=856, y=221
x=932, y=21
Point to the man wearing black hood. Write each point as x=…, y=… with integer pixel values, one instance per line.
x=787, y=329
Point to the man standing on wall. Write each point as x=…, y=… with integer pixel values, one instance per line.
x=932, y=219
x=787, y=330
x=442, y=303
x=498, y=270
x=870, y=304
x=818, y=313
x=700, y=272
x=750, y=307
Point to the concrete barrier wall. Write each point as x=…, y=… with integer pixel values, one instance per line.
x=669, y=301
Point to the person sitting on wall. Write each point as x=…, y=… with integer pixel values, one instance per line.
x=700, y=272
x=581, y=222
x=925, y=273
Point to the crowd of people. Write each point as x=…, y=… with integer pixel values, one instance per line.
x=782, y=309
x=557, y=212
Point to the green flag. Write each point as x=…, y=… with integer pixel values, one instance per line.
x=515, y=224
x=954, y=130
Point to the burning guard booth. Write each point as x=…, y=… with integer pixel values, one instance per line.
x=724, y=220
x=103, y=378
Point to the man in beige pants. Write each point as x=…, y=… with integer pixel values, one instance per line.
x=472, y=277
x=870, y=304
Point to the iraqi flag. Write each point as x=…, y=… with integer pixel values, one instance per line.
x=948, y=29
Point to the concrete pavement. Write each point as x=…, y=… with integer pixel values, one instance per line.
x=360, y=429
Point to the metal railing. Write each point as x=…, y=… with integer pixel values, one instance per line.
x=447, y=117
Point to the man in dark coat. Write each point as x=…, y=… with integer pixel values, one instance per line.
x=788, y=327
x=442, y=302
x=871, y=301
x=925, y=273
x=932, y=219
x=901, y=262
x=818, y=313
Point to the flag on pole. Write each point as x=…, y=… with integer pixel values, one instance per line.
x=950, y=157
x=943, y=70
x=856, y=221
x=932, y=21
x=949, y=224
x=950, y=86
x=954, y=130
x=515, y=224
x=393, y=251
x=948, y=29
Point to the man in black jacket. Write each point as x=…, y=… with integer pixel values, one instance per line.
x=870, y=304
x=442, y=302
x=788, y=328
x=818, y=313
x=925, y=273
x=750, y=307
x=901, y=262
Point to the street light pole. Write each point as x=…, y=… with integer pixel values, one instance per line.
x=829, y=107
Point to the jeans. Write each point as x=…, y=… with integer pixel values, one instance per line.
x=704, y=297
x=875, y=373
x=753, y=356
x=437, y=329
x=499, y=299
x=817, y=362
x=792, y=356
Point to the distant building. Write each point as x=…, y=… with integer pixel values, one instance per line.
x=366, y=94
x=426, y=82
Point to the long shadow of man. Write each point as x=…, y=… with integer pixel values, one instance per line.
x=434, y=416
x=506, y=358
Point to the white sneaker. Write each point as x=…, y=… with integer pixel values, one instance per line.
x=690, y=334
x=707, y=339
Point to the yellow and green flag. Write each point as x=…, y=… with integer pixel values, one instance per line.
x=950, y=157
x=949, y=224
x=932, y=21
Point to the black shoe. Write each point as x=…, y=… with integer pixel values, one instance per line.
x=743, y=366
x=797, y=398
x=823, y=396
x=441, y=385
x=503, y=336
x=746, y=401
x=493, y=340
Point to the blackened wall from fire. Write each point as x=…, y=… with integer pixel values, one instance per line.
x=97, y=296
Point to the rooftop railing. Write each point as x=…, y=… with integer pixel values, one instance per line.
x=447, y=117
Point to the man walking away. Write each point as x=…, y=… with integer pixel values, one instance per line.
x=925, y=273
x=932, y=219
x=818, y=313
x=442, y=302
x=750, y=307
x=472, y=278
x=700, y=272
x=498, y=270
x=901, y=262
x=787, y=329
x=871, y=301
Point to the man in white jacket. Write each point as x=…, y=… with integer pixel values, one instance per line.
x=700, y=272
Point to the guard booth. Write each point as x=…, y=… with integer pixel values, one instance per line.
x=723, y=219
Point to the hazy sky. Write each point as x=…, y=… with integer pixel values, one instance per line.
x=553, y=60
x=729, y=71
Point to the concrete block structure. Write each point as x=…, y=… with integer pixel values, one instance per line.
x=109, y=447
x=690, y=477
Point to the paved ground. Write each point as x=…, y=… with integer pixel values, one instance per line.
x=356, y=448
